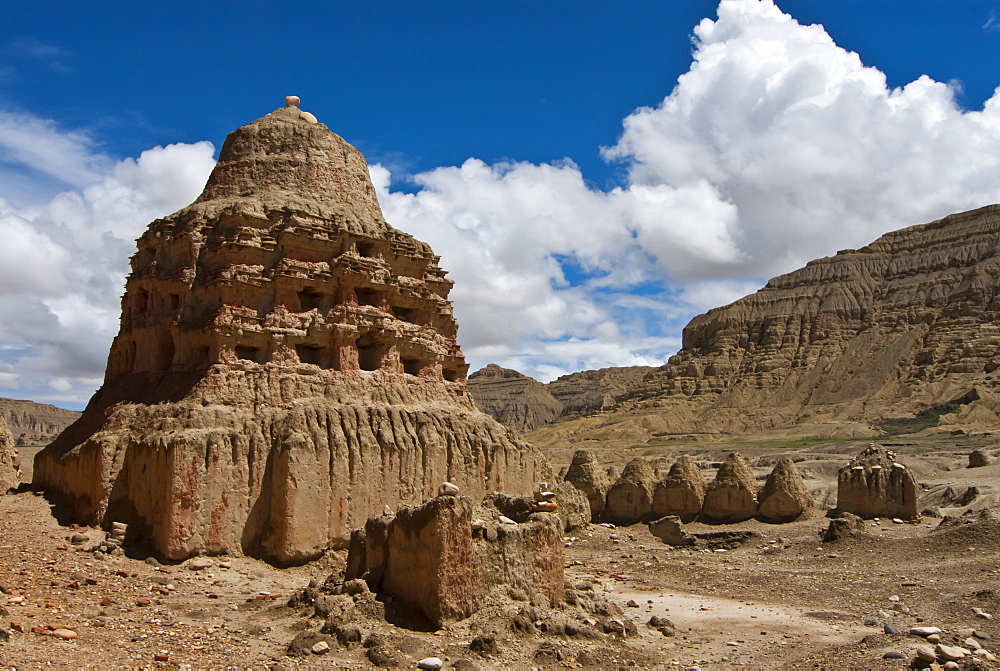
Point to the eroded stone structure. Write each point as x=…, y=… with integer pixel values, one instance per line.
x=444, y=561
x=287, y=365
x=681, y=493
x=784, y=497
x=585, y=474
x=10, y=464
x=874, y=484
x=732, y=496
x=630, y=499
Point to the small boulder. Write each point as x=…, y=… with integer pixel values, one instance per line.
x=844, y=526
x=784, y=497
x=732, y=496
x=668, y=529
x=681, y=493
x=978, y=459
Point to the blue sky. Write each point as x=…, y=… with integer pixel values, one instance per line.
x=592, y=173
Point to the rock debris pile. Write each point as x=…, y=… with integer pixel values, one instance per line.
x=448, y=561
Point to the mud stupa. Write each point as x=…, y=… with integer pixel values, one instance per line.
x=287, y=366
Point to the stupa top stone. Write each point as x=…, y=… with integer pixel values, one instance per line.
x=288, y=161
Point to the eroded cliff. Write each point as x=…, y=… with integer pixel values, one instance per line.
x=525, y=404
x=31, y=422
x=905, y=325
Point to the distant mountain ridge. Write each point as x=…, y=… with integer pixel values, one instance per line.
x=525, y=404
x=906, y=327
x=31, y=422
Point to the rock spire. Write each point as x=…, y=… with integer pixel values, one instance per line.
x=287, y=365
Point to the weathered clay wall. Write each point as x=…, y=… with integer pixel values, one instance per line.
x=439, y=560
x=10, y=472
x=286, y=477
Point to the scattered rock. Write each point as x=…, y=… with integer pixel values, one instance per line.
x=485, y=646
x=978, y=459
x=662, y=625
x=951, y=652
x=668, y=529
x=383, y=656
x=430, y=663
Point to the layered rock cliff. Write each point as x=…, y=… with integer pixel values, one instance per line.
x=591, y=391
x=513, y=399
x=906, y=325
x=286, y=367
x=525, y=404
x=32, y=422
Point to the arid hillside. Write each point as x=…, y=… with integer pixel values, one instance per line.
x=523, y=403
x=31, y=422
x=897, y=337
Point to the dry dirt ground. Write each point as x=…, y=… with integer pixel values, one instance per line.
x=782, y=599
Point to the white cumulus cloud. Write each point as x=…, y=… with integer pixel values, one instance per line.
x=64, y=260
x=806, y=146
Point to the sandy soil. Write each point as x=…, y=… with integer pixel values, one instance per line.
x=783, y=599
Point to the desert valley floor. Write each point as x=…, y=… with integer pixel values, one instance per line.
x=781, y=599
